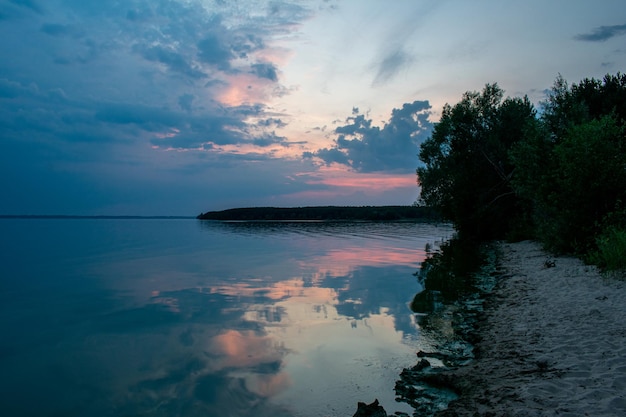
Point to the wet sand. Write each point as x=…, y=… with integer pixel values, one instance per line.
x=553, y=342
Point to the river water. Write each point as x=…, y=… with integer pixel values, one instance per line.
x=163, y=317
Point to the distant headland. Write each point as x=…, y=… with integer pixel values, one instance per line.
x=324, y=213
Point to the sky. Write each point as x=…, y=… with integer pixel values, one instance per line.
x=177, y=107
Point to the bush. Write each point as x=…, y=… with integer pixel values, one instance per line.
x=611, y=252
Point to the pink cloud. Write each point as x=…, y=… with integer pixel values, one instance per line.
x=339, y=177
x=244, y=89
x=294, y=287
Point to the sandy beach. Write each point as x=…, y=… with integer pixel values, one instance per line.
x=553, y=342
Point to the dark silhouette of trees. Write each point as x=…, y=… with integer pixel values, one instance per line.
x=467, y=173
x=573, y=168
x=323, y=213
x=496, y=168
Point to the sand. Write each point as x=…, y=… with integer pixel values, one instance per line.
x=553, y=341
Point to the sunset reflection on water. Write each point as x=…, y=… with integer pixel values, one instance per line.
x=208, y=318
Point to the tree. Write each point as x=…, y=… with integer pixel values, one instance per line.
x=581, y=181
x=467, y=173
x=567, y=106
x=572, y=167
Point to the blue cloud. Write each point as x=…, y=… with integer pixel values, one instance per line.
x=149, y=117
x=100, y=89
x=602, y=33
x=55, y=29
x=184, y=49
x=330, y=155
x=265, y=70
x=270, y=139
x=212, y=50
x=367, y=148
x=174, y=60
x=271, y=122
x=28, y=4
x=10, y=89
x=185, y=102
x=391, y=64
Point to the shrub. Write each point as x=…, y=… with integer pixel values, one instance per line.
x=611, y=252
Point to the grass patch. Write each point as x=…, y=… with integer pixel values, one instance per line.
x=611, y=252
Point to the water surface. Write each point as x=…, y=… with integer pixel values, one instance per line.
x=161, y=317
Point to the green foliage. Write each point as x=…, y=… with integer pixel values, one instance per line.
x=590, y=177
x=611, y=250
x=590, y=99
x=467, y=172
x=571, y=168
x=495, y=169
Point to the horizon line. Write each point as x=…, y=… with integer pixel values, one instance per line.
x=77, y=216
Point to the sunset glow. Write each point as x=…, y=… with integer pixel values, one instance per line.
x=339, y=177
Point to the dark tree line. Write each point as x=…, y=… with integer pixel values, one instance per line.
x=323, y=213
x=498, y=168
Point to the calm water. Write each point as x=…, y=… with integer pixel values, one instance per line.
x=187, y=318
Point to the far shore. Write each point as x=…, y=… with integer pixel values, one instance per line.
x=553, y=342
x=324, y=213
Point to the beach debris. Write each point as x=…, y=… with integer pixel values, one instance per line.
x=437, y=355
x=421, y=365
x=549, y=263
x=370, y=410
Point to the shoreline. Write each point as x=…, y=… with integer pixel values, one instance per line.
x=552, y=342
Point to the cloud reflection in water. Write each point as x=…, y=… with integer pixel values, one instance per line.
x=217, y=320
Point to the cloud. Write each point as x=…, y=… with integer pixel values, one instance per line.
x=174, y=60
x=10, y=89
x=271, y=122
x=265, y=70
x=29, y=4
x=270, y=139
x=185, y=101
x=109, y=102
x=55, y=29
x=212, y=50
x=367, y=148
x=150, y=71
x=397, y=50
x=330, y=155
x=391, y=64
x=602, y=33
